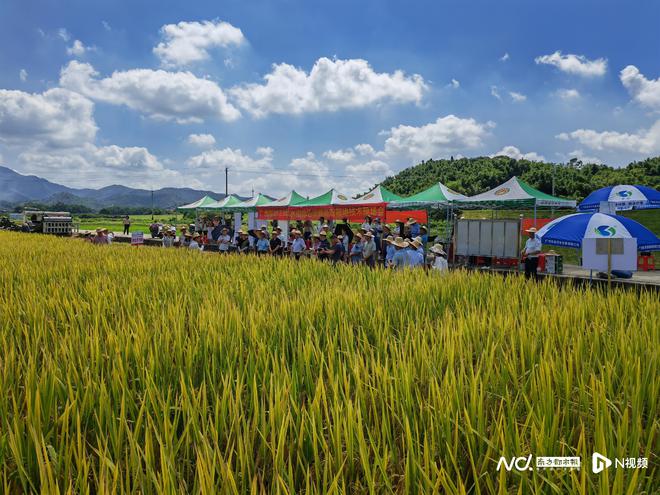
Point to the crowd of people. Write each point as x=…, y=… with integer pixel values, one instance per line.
x=373, y=243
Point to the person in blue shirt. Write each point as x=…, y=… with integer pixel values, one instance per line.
x=263, y=244
x=390, y=249
x=416, y=253
x=356, y=250
x=400, y=258
x=424, y=233
x=414, y=227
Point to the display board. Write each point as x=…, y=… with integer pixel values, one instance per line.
x=497, y=238
x=624, y=254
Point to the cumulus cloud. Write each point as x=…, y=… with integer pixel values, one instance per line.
x=574, y=64
x=178, y=96
x=78, y=49
x=644, y=141
x=188, y=42
x=331, y=85
x=517, y=97
x=495, y=93
x=505, y=57
x=53, y=119
x=644, y=91
x=63, y=34
x=455, y=84
x=568, y=94
x=201, y=140
x=580, y=155
x=23, y=75
x=342, y=156
x=513, y=152
x=444, y=136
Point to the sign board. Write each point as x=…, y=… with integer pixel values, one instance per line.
x=497, y=238
x=624, y=254
x=137, y=238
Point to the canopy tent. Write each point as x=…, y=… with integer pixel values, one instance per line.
x=624, y=197
x=230, y=200
x=332, y=197
x=206, y=200
x=279, y=209
x=514, y=193
x=249, y=205
x=436, y=195
x=570, y=230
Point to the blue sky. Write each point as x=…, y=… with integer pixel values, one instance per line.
x=312, y=95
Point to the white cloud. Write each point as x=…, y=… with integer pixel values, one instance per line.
x=331, y=85
x=89, y=165
x=178, y=96
x=106, y=26
x=517, y=97
x=23, y=75
x=574, y=64
x=568, y=94
x=342, y=156
x=444, y=136
x=201, y=140
x=78, y=49
x=644, y=141
x=504, y=57
x=64, y=34
x=644, y=91
x=188, y=42
x=455, y=84
x=513, y=152
x=494, y=92
x=580, y=155
x=55, y=118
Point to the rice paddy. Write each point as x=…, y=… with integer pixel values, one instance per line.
x=144, y=370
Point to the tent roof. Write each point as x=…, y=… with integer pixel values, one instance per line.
x=198, y=204
x=437, y=193
x=377, y=195
x=291, y=199
x=516, y=192
x=332, y=197
x=251, y=204
x=223, y=203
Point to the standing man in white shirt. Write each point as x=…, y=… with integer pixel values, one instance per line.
x=223, y=241
x=531, y=254
x=298, y=246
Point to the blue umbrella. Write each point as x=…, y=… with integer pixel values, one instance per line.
x=569, y=230
x=624, y=197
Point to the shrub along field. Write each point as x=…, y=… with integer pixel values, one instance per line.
x=144, y=370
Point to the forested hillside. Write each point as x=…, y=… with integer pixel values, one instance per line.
x=475, y=175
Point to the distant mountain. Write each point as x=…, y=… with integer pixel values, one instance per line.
x=16, y=188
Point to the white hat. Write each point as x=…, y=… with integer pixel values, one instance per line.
x=438, y=249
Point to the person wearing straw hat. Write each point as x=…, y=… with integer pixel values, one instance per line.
x=184, y=238
x=99, y=238
x=194, y=243
x=400, y=258
x=168, y=238
x=369, y=250
x=324, y=245
x=224, y=240
x=416, y=253
x=298, y=244
x=414, y=227
x=275, y=246
x=242, y=242
x=531, y=254
x=356, y=249
x=263, y=244
x=439, y=258
x=109, y=235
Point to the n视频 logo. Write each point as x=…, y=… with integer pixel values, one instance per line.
x=605, y=230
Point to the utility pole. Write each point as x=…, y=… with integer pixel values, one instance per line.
x=252, y=193
x=152, y=204
x=226, y=181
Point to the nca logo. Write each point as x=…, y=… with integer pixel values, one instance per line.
x=599, y=462
x=517, y=463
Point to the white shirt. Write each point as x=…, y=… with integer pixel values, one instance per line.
x=223, y=242
x=532, y=245
x=440, y=264
x=194, y=245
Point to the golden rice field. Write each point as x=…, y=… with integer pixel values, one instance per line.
x=144, y=370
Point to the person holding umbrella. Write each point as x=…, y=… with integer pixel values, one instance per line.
x=531, y=254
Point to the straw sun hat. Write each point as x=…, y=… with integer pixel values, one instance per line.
x=399, y=242
x=531, y=229
x=438, y=249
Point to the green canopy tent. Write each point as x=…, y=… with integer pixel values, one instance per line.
x=249, y=205
x=280, y=208
x=230, y=200
x=332, y=197
x=200, y=203
x=435, y=196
